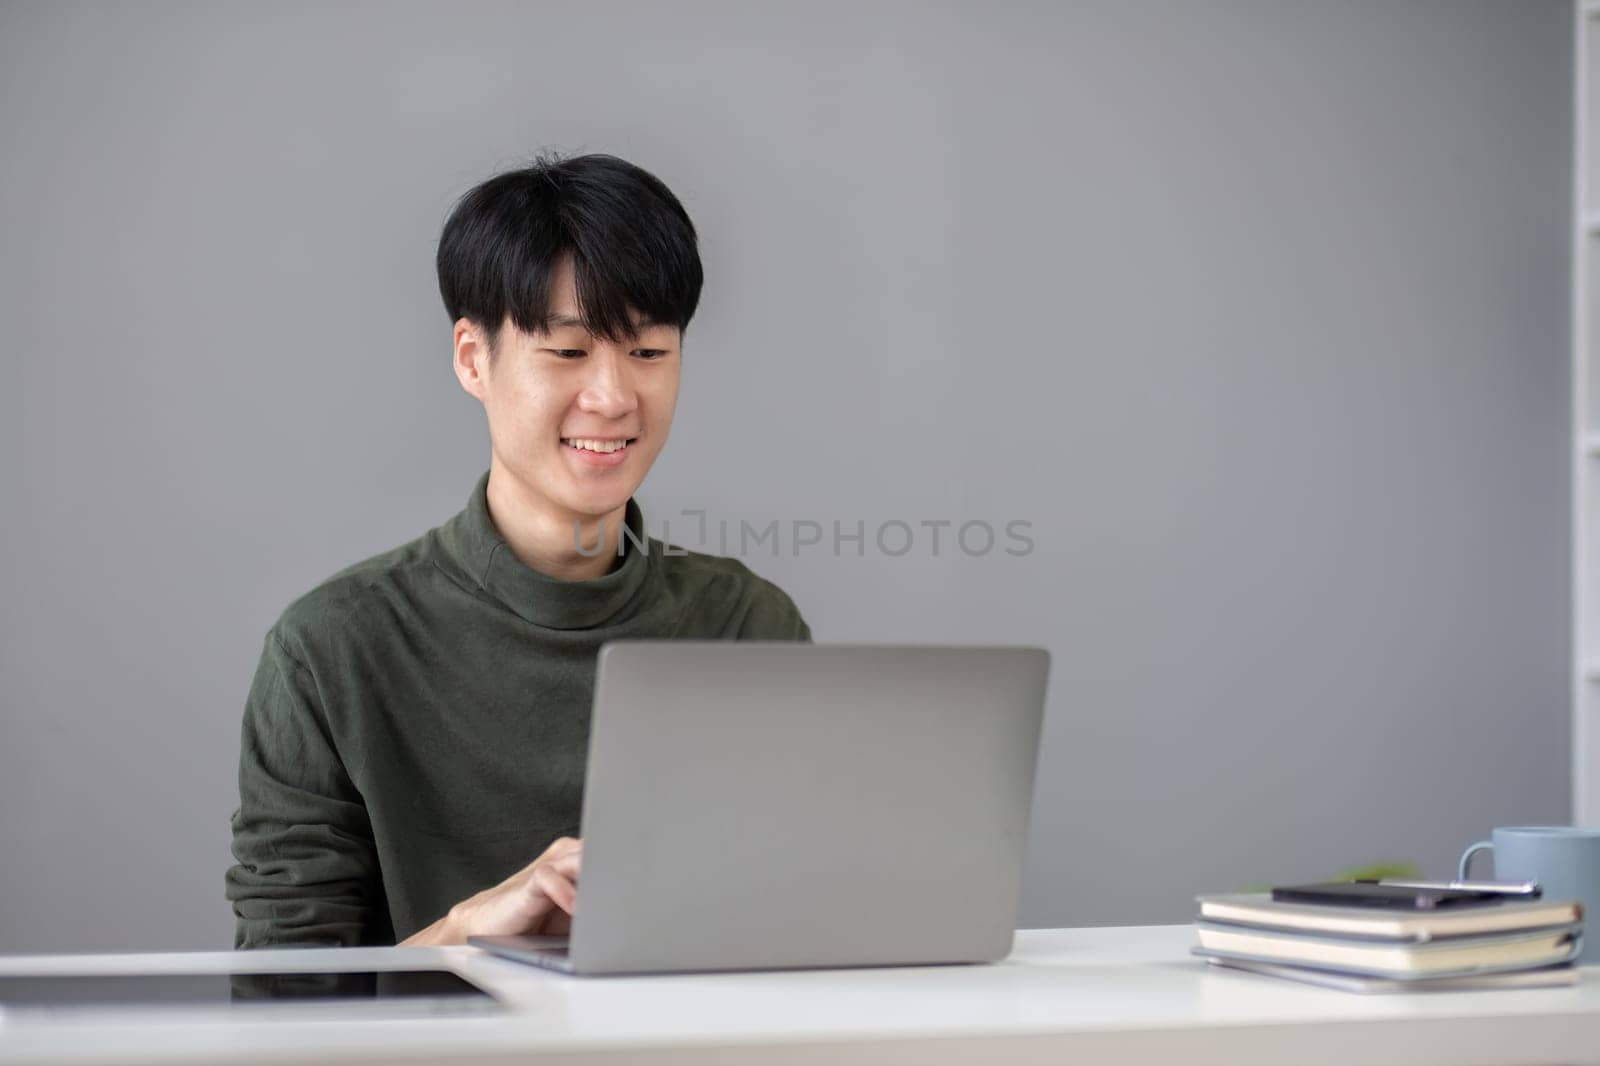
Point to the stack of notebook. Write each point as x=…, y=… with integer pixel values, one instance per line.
x=1498, y=944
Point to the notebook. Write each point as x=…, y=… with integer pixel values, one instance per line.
x=1544, y=977
x=1397, y=959
x=1261, y=910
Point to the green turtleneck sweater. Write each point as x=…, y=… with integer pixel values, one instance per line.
x=417, y=728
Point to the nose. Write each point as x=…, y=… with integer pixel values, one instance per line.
x=608, y=391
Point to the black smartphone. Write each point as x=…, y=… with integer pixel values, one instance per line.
x=1392, y=897
x=430, y=991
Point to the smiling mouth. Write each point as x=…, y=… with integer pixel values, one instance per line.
x=599, y=446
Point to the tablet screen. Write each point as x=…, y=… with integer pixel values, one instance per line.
x=197, y=989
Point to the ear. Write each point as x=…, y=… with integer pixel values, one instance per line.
x=471, y=357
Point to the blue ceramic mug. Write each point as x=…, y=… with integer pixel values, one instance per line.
x=1563, y=859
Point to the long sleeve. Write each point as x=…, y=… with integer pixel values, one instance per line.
x=307, y=870
x=417, y=727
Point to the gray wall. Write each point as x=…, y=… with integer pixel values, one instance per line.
x=1256, y=311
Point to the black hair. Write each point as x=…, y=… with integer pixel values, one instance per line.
x=631, y=242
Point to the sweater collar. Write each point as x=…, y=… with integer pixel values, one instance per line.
x=471, y=541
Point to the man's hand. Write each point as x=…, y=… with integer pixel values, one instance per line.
x=539, y=898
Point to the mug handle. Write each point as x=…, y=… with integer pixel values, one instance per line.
x=1466, y=858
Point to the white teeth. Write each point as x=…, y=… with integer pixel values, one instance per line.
x=602, y=446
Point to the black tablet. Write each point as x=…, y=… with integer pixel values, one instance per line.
x=424, y=990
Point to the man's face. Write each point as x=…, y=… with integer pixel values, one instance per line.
x=576, y=419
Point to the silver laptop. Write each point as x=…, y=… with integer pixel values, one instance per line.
x=754, y=805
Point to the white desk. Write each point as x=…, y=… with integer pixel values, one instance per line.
x=1123, y=994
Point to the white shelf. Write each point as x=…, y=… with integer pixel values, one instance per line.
x=1585, y=334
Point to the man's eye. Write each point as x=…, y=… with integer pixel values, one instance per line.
x=650, y=353
x=568, y=353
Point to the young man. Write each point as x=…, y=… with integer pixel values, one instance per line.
x=416, y=730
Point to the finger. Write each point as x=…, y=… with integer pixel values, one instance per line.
x=562, y=845
x=560, y=891
x=557, y=923
x=569, y=864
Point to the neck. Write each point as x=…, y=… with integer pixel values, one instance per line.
x=541, y=535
